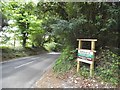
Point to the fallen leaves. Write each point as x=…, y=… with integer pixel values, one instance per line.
x=70, y=80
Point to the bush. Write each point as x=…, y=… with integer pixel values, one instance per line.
x=84, y=71
x=107, y=66
x=10, y=53
x=50, y=46
x=65, y=62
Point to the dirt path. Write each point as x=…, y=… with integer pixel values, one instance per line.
x=69, y=80
x=50, y=80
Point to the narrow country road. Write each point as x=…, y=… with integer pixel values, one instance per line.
x=23, y=72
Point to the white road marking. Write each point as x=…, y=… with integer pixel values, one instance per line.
x=54, y=53
x=23, y=64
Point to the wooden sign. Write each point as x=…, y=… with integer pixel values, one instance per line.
x=86, y=56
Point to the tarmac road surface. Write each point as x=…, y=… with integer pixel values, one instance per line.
x=23, y=72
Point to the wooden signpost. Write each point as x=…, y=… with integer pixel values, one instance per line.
x=86, y=56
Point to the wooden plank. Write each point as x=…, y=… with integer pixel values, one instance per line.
x=86, y=61
x=86, y=49
x=92, y=45
x=78, y=65
x=86, y=39
x=80, y=44
x=91, y=69
x=92, y=65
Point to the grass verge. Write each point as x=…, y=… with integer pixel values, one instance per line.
x=8, y=53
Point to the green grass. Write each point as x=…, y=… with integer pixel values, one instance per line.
x=10, y=53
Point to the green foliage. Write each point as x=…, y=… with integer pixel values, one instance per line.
x=50, y=46
x=23, y=17
x=64, y=20
x=3, y=20
x=65, y=62
x=63, y=23
x=10, y=53
x=84, y=71
x=5, y=39
x=108, y=66
x=69, y=31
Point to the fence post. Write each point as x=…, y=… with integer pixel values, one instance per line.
x=78, y=62
x=92, y=65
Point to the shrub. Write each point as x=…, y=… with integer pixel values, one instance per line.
x=84, y=71
x=9, y=53
x=65, y=62
x=50, y=46
x=107, y=66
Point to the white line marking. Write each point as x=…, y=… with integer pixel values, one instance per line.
x=54, y=53
x=24, y=64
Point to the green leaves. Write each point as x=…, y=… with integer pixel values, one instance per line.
x=108, y=66
x=23, y=15
x=65, y=61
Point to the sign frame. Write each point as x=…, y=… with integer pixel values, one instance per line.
x=83, y=60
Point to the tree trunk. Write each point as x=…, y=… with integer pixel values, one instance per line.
x=24, y=40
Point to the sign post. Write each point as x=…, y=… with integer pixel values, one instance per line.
x=86, y=56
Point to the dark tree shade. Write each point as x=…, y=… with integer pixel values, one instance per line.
x=3, y=21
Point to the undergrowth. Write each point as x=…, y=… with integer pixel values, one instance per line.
x=65, y=62
x=10, y=53
x=106, y=67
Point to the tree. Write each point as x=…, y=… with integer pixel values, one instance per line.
x=4, y=21
x=25, y=19
x=86, y=20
